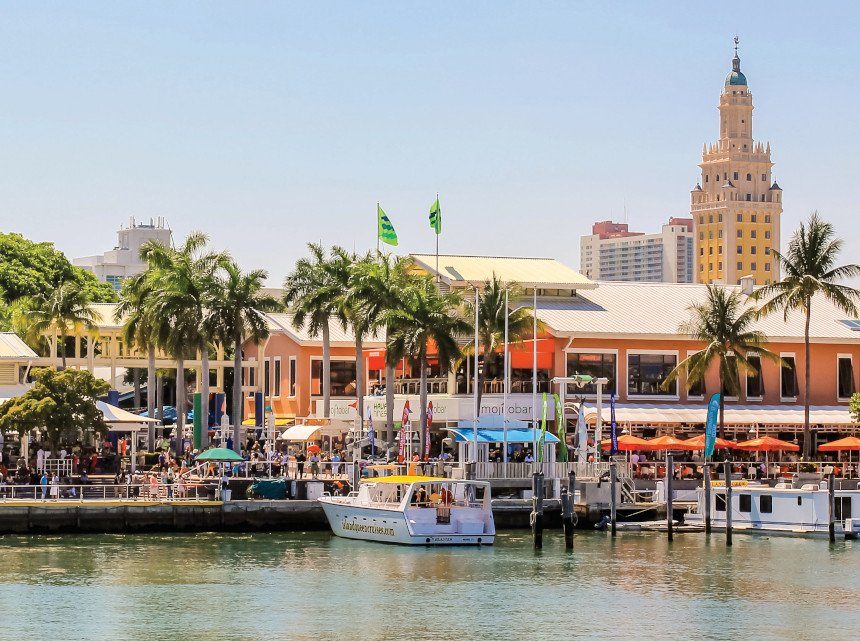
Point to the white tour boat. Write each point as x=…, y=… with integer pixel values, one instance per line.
x=782, y=509
x=414, y=510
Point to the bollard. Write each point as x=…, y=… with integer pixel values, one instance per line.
x=537, y=510
x=831, y=506
x=707, y=470
x=670, y=476
x=728, y=474
x=612, y=506
x=570, y=515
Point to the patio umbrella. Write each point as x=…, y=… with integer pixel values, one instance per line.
x=218, y=454
x=698, y=443
x=767, y=444
x=628, y=443
x=313, y=448
x=667, y=442
x=850, y=443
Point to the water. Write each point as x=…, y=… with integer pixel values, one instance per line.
x=315, y=586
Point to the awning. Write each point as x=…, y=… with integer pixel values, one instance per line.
x=522, y=354
x=280, y=422
x=517, y=435
x=311, y=432
x=114, y=415
x=779, y=415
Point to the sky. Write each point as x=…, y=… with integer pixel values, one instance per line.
x=269, y=125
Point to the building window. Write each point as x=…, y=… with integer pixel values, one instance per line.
x=749, y=197
x=765, y=504
x=764, y=178
x=720, y=502
x=740, y=233
x=749, y=177
x=252, y=375
x=701, y=267
x=646, y=373
x=767, y=218
x=767, y=251
x=720, y=219
x=767, y=267
x=740, y=218
x=762, y=197
x=755, y=381
x=752, y=218
x=701, y=235
x=701, y=251
x=845, y=373
x=711, y=235
x=293, y=373
x=596, y=365
x=720, y=249
x=115, y=282
x=841, y=508
x=752, y=267
x=752, y=233
x=720, y=233
x=788, y=377
x=706, y=177
x=710, y=267
x=711, y=251
x=745, y=502
x=711, y=218
x=701, y=220
x=267, y=377
x=720, y=267
x=736, y=176
x=342, y=377
x=752, y=250
x=740, y=250
x=277, y=376
x=740, y=266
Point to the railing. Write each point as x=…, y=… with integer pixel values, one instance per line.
x=125, y=492
x=743, y=469
x=550, y=470
x=413, y=386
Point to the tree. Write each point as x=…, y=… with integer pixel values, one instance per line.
x=425, y=314
x=810, y=271
x=64, y=308
x=350, y=307
x=138, y=329
x=62, y=403
x=854, y=407
x=237, y=310
x=313, y=289
x=29, y=269
x=723, y=324
x=182, y=282
x=491, y=323
x=379, y=286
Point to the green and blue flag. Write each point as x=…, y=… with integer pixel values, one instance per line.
x=385, y=230
x=436, y=217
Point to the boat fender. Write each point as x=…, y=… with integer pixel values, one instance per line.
x=602, y=523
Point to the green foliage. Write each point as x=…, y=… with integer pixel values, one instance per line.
x=61, y=403
x=31, y=269
x=854, y=407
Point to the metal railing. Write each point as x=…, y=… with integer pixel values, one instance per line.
x=550, y=470
x=189, y=491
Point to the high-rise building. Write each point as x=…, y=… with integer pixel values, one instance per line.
x=124, y=260
x=613, y=252
x=736, y=206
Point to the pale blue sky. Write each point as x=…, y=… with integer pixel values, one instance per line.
x=268, y=125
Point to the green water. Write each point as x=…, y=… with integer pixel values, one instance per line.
x=315, y=586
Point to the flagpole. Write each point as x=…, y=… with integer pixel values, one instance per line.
x=505, y=391
x=475, y=422
x=377, y=226
x=438, y=213
x=534, y=377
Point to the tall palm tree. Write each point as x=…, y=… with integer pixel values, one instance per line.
x=810, y=270
x=64, y=308
x=313, y=290
x=379, y=285
x=723, y=323
x=425, y=314
x=350, y=305
x=183, y=279
x=491, y=323
x=134, y=313
x=239, y=312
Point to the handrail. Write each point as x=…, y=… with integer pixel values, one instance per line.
x=80, y=493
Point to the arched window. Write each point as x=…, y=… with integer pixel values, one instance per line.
x=749, y=177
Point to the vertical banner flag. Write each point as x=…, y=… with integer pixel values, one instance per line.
x=370, y=432
x=404, y=423
x=711, y=427
x=542, y=431
x=562, y=430
x=385, y=230
x=614, y=425
x=427, y=433
x=436, y=217
x=582, y=429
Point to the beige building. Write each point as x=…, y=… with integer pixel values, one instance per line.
x=736, y=207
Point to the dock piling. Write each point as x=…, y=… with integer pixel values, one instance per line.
x=537, y=510
x=567, y=508
x=670, y=476
x=831, y=506
x=706, y=469
x=727, y=467
x=612, y=499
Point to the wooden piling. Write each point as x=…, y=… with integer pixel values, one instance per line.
x=537, y=510
x=727, y=470
x=707, y=471
x=831, y=506
x=567, y=508
x=670, y=476
x=612, y=501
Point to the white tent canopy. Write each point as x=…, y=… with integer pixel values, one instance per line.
x=114, y=415
x=790, y=416
x=306, y=432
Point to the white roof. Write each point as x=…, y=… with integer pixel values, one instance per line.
x=283, y=323
x=652, y=414
x=13, y=348
x=545, y=273
x=658, y=309
x=307, y=432
x=116, y=415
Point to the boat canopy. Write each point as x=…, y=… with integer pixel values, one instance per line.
x=407, y=479
x=516, y=435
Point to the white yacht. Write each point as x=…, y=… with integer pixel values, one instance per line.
x=782, y=509
x=414, y=510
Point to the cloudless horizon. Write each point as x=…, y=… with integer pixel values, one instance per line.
x=268, y=125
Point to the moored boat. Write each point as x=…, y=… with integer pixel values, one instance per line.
x=414, y=510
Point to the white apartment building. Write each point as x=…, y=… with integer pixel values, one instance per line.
x=612, y=252
x=123, y=261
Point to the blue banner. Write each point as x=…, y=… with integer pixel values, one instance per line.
x=613, y=425
x=370, y=431
x=542, y=438
x=711, y=427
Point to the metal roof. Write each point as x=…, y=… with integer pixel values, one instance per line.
x=283, y=323
x=790, y=415
x=527, y=272
x=13, y=348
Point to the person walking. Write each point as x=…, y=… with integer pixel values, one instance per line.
x=44, y=483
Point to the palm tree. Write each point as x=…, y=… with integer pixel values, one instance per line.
x=810, y=271
x=425, y=314
x=182, y=282
x=63, y=308
x=137, y=329
x=313, y=289
x=238, y=310
x=350, y=305
x=379, y=285
x=723, y=324
x=491, y=323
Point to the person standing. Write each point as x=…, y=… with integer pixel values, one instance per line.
x=55, y=487
x=44, y=483
x=300, y=464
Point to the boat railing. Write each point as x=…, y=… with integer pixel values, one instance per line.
x=82, y=493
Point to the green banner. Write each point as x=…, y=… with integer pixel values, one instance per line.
x=198, y=421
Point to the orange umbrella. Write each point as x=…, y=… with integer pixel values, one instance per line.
x=767, y=444
x=313, y=448
x=627, y=443
x=850, y=443
x=667, y=442
x=698, y=442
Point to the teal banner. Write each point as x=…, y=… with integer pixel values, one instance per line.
x=711, y=427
